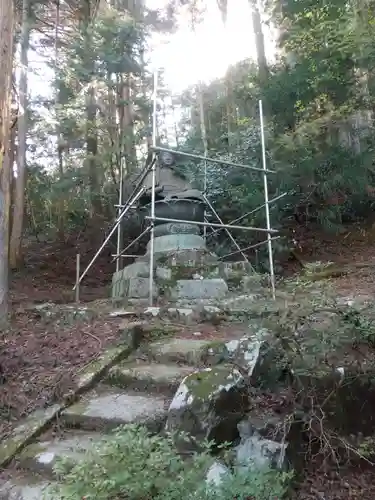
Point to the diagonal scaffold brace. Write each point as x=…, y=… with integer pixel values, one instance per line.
x=138, y=191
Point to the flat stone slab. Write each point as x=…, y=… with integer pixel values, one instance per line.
x=177, y=242
x=131, y=335
x=136, y=288
x=42, y=456
x=210, y=288
x=25, y=432
x=253, y=305
x=149, y=376
x=24, y=488
x=181, y=350
x=108, y=408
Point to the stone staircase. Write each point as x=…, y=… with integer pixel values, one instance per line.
x=136, y=390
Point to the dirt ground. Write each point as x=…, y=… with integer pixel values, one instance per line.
x=40, y=362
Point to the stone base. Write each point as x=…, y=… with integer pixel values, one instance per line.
x=234, y=269
x=193, y=258
x=188, y=264
x=215, y=288
x=175, y=242
x=184, y=269
x=136, y=288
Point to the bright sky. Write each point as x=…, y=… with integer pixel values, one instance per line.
x=189, y=57
x=205, y=54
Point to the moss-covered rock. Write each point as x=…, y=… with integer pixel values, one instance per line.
x=208, y=405
x=215, y=353
x=257, y=356
x=260, y=356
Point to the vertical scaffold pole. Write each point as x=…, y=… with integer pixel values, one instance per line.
x=121, y=188
x=266, y=201
x=200, y=89
x=153, y=185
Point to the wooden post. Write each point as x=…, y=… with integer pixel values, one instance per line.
x=77, y=277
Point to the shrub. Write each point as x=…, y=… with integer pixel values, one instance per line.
x=133, y=465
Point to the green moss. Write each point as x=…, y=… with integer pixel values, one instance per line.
x=32, y=451
x=186, y=271
x=215, y=344
x=97, y=369
x=103, y=361
x=165, y=285
x=214, y=353
x=163, y=259
x=160, y=332
x=208, y=382
x=23, y=434
x=234, y=281
x=79, y=408
x=181, y=272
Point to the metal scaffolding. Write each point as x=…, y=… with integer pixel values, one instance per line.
x=140, y=189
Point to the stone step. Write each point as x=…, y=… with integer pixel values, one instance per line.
x=148, y=377
x=187, y=351
x=106, y=408
x=24, y=487
x=41, y=456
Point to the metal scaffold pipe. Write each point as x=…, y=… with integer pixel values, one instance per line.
x=226, y=229
x=266, y=202
x=140, y=189
x=153, y=186
x=118, y=214
x=211, y=224
x=212, y=160
x=118, y=221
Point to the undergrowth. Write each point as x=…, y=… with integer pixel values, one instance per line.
x=131, y=464
x=316, y=333
x=329, y=347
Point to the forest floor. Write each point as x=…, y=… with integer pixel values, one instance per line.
x=40, y=362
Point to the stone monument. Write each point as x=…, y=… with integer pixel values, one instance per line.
x=184, y=269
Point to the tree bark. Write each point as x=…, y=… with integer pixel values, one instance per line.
x=91, y=111
x=6, y=57
x=92, y=151
x=259, y=41
x=126, y=123
x=19, y=199
x=60, y=149
x=229, y=101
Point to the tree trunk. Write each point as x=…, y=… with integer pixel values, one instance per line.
x=146, y=112
x=6, y=51
x=229, y=105
x=19, y=199
x=92, y=151
x=60, y=141
x=259, y=41
x=229, y=101
x=126, y=124
x=91, y=111
x=10, y=158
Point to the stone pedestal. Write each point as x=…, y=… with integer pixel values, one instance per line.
x=183, y=268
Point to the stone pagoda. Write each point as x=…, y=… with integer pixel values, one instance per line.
x=184, y=269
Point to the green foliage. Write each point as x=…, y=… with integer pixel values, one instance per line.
x=320, y=140
x=317, y=330
x=362, y=323
x=97, y=120
x=134, y=465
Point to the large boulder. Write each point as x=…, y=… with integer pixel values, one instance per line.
x=269, y=439
x=209, y=403
x=208, y=406
x=258, y=356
